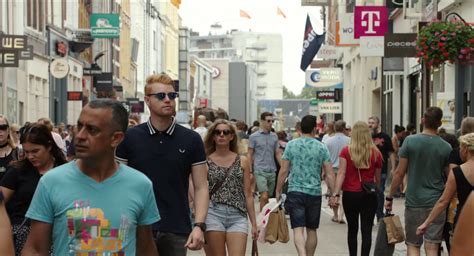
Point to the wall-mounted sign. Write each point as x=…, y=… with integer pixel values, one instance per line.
x=59, y=68
x=104, y=25
x=315, y=2
x=14, y=48
x=325, y=95
x=400, y=45
x=92, y=71
x=370, y=21
x=324, y=77
x=136, y=105
x=328, y=52
x=118, y=91
x=74, y=96
x=392, y=4
x=330, y=108
x=103, y=82
x=216, y=72
x=371, y=46
x=61, y=48
x=345, y=30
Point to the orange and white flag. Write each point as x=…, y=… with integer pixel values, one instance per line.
x=280, y=12
x=244, y=14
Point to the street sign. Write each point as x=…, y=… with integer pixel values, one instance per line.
x=59, y=68
x=74, y=96
x=326, y=95
x=91, y=71
x=105, y=25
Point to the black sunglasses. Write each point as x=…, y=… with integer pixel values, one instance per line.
x=220, y=132
x=270, y=121
x=4, y=127
x=162, y=95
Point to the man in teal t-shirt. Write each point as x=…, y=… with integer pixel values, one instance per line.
x=94, y=206
x=424, y=159
x=305, y=157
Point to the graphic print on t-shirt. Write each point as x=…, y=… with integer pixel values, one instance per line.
x=92, y=233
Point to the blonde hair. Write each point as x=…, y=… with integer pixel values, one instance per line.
x=10, y=141
x=210, y=144
x=160, y=78
x=468, y=142
x=361, y=145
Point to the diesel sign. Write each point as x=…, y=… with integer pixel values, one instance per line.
x=400, y=45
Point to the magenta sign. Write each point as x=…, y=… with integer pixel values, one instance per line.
x=370, y=21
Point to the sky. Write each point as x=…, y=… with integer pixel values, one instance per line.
x=200, y=14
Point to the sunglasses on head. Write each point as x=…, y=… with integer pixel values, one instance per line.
x=162, y=95
x=3, y=127
x=220, y=132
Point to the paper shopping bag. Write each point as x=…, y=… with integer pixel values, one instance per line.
x=283, y=232
x=271, y=232
x=395, y=233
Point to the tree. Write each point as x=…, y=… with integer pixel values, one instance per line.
x=307, y=93
x=287, y=94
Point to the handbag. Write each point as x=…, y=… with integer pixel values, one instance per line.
x=369, y=188
x=395, y=233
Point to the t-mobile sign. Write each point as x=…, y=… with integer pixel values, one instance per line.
x=370, y=21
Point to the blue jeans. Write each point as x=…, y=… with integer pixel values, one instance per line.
x=381, y=196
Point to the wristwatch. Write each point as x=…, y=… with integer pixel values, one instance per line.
x=201, y=225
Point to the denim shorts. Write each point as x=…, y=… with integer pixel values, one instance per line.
x=304, y=210
x=226, y=218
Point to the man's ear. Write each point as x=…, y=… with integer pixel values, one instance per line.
x=117, y=138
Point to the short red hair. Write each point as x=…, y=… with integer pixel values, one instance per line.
x=160, y=78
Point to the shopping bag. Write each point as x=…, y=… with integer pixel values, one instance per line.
x=283, y=231
x=271, y=230
x=263, y=216
x=395, y=233
x=382, y=247
x=254, y=248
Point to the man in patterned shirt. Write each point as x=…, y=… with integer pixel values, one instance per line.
x=306, y=156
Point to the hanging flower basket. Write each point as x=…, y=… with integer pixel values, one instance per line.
x=443, y=41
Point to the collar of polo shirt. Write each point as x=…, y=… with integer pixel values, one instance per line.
x=168, y=131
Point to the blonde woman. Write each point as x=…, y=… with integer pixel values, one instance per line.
x=8, y=151
x=460, y=181
x=360, y=164
x=231, y=199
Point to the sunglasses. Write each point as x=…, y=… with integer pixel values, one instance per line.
x=220, y=132
x=4, y=127
x=162, y=95
x=270, y=121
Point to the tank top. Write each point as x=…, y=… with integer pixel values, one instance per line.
x=231, y=191
x=464, y=188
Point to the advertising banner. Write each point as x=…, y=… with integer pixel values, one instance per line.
x=446, y=102
x=345, y=30
x=400, y=45
x=370, y=21
x=105, y=25
x=371, y=46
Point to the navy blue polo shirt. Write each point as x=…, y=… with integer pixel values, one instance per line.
x=166, y=158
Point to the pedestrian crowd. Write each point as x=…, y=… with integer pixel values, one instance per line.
x=110, y=185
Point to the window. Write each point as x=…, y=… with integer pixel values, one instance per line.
x=35, y=14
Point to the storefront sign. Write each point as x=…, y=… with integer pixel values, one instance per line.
x=92, y=71
x=74, y=96
x=61, y=48
x=315, y=2
x=325, y=95
x=370, y=21
x=104, y=25
x=216, y=72
x=400, y=45
x=203, y=103
x=345, y=31
x=324, y=77
x=14, y=48
x=103, y=82
x=328, y=52
x=371, y=46
x=136, y=105
x=330, y=108
x=392, y=4
x=59, y=68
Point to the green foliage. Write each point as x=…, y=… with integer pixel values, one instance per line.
x=443, y=41
x=306, y=93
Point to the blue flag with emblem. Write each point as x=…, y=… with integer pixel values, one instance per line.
x=311, y=44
